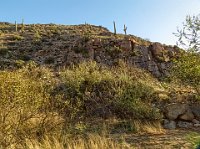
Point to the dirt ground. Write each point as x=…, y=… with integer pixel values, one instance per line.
x=171, y=139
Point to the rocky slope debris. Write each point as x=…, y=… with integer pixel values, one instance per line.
x=181, y=115
x=60, y=45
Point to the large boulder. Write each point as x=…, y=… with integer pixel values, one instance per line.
x=195, y=108
x=126, y=45
x=173, y=111
x=159, y=52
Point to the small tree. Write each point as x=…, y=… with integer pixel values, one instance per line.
x=189, y=35
x=187, y=67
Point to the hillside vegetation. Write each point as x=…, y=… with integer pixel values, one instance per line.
x=36, y=102
x=47, y=104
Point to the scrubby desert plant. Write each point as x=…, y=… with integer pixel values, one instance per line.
x=37, y=36
x=89, y=89
x=187, y=66
x=3, y=50
x=194, y=139
x=35, y=103
x=24, y=101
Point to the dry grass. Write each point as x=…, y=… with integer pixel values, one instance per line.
x=89, y=142
x=148, y=127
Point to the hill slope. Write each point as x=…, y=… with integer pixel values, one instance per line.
x=60, y=45
x=79, y=86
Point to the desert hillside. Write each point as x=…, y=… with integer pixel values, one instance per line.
x=61, y=45
x=82, y=86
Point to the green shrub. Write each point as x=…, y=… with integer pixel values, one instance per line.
x=17, y=37
x=19, y=63
x=34, y=101
x=37, y=37
x=187, y=66
x=3, y=51
x=24, y=101
x=187, y=69
x=49, y=60
x=91, y=90
x=132, y=101
x=194, y=139
x=82, y=50
x=114, y=51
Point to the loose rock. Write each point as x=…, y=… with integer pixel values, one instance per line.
x=169, y=124
x=172, y=111
x=188, y=116
x=196, y=110
x=195, y=121
x=196, y=125
x=183, y=124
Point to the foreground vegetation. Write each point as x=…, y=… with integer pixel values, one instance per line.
x=37, y=103
x=187, y=67
x=77, y=107
x=82, y=106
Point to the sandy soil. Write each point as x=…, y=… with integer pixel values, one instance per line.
x=171, y=139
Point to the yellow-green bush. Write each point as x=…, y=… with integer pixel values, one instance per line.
x=92, y=90
x=187, y=70
x=35, y=102
x=24, y=101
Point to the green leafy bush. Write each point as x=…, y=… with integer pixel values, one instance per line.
x=187, y=71
x=187, y=66
x=97, y=91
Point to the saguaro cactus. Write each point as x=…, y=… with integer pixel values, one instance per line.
x=125, y=29
x=22, y=29
x=115, y=32
x=16, y=26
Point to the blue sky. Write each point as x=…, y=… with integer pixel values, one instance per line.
x=152, y=19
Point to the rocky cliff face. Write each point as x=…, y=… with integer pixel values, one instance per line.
x=58, y=45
